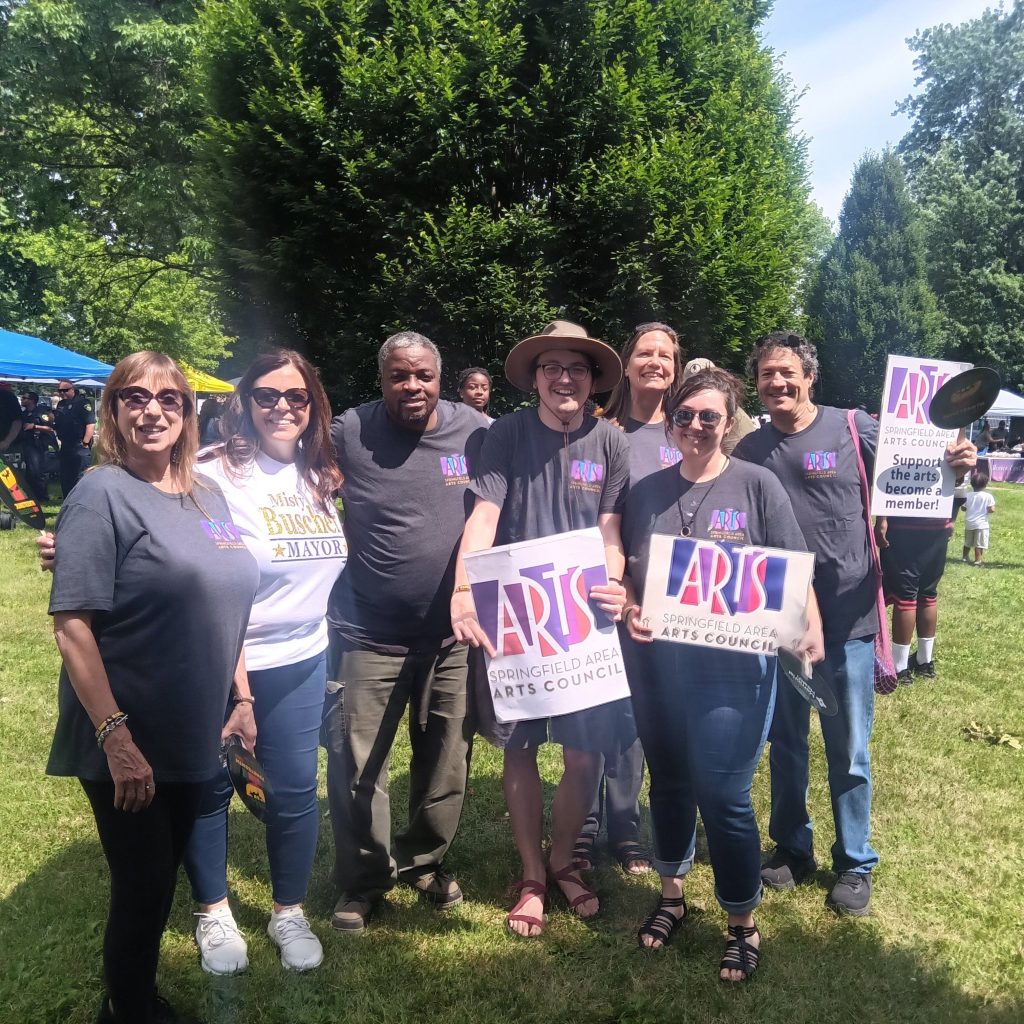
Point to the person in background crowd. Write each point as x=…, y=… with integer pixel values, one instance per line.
x=407, y=461
x=811, y=449
x=652, y=362
x=703, y=714
x=37, y=441
x=74, y=423
x=999, y=436
x=525, y=490
x=475, y=389
x=979, y=506
x=742, y=423
x=10, y=416
x=151, y=593
x=209, y=419
x=277, y=471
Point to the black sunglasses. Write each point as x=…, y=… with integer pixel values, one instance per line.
x=64, y=391
x=169, y=399
x=267, y=398
x=684, y=417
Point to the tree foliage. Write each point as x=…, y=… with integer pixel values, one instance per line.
x=101, y=215
x=965, y=154
x=473, y=168
x=871, y=296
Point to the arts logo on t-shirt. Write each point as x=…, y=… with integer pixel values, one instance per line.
x=225, y=535
x=587, y=476
x=819, y=465
x=727, y=524
x=669, y=456
x=455, y=470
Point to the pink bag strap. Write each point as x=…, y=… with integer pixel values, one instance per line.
x=865, y=494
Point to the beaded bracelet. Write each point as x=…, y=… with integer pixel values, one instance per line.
x=463, y=588
x=108, y=725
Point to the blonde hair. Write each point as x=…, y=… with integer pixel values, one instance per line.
x=165, y=373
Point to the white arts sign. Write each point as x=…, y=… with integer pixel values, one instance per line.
x=556, y=651
x=726, y=596
x=911, y=477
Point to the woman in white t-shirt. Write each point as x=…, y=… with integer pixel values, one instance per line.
x=279, y=476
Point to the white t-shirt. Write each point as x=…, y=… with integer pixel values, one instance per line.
x=976, y=510
x=300, y=551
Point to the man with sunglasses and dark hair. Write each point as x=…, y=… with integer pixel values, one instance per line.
x=74, y=421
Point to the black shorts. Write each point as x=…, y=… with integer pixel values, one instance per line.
x=913, y=564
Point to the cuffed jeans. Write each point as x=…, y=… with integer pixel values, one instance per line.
x=288, y=705
x=846, y=736
x=703, y=718
x=361, y=721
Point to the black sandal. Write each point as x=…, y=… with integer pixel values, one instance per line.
x=585, y=852
x=660, y=924
x=630, y=852
x=739, y=954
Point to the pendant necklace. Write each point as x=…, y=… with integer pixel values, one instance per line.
x=687, y=520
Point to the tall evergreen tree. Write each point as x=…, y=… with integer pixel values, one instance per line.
x=871, y=296
x=473, y=168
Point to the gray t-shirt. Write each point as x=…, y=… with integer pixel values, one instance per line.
x=170, y=587
x=818, y=468
x=650, y=449
x=745, y=504
x=406, y=498
x=541, y=487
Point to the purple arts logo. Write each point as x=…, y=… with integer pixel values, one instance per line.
x=544, y=610
x=819, y=462
x=728, y=519
x=725, y=579
x=221, y=532
x=669, y=456
x=587, y=472
x=911, y=391
x=454, y=465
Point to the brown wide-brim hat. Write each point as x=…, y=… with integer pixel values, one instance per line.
x=521, y=361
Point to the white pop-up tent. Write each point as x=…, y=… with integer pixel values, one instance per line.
x=1007, y=404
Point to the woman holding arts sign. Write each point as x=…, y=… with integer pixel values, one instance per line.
x=703, y=713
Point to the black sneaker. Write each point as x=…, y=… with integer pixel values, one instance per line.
x=784, y=871
x=905, y=677
x=851, y=894
x=924, y=669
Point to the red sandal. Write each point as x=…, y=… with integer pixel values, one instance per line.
x=570, y=874
x=529, y=888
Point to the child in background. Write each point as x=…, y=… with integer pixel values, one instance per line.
x=980, y=504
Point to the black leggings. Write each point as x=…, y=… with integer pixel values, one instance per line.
x=143, y=853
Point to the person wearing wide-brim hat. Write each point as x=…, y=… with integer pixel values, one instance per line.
x=531, y=484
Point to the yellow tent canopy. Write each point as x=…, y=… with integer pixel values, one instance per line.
x=200, y=381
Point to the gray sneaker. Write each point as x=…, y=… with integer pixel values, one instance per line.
x=784, y=871
x=351, y=914
x=439, y=889
x=851, y=894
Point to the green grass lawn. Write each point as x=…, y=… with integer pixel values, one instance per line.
x=944, y=942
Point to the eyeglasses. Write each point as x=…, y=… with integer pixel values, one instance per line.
x=267, y=398
x=169, y=399
x=64, y=391
x=554, y=371
x=684, y=417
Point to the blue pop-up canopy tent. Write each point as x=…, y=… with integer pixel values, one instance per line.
x=23, y=357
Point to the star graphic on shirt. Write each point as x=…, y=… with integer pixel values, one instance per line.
x=279, y=551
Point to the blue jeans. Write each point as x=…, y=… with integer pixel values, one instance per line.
x=289, y=701
x=846, y=738
x=703, y=718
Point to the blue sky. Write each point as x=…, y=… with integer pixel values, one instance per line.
x=852, y=59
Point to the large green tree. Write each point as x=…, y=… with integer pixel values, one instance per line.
x=475, y=167
x=871, y=296
x=965, y=156
x=101, y=226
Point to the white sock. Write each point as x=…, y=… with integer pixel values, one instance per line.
x=925, y=649
x=901, y=656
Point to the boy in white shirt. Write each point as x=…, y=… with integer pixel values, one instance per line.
x=980, y=505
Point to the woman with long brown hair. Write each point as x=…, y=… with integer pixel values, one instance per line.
x=151, y=593
x=278, y=473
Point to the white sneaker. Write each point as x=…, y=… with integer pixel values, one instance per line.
x=222, y=949
x=290, y=932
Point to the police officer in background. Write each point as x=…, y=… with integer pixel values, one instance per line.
x=10, y=416
x=74, y=422
x=37, y=441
